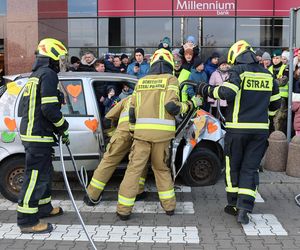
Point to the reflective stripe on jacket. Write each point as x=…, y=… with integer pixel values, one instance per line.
x=251, y=93
x=152, y=94
x=41, y=109
x=183, y=76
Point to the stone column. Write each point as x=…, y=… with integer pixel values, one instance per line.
x=21, y=35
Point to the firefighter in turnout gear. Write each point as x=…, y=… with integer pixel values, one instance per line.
x=41, y=118
x=251, y=93
x=118, y=147
x=154, y=103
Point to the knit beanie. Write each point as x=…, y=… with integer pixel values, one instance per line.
x=266, y=56
x=259, y=52
x=285, y=54
x=191, y=39
x=166, y=40
x=215, y=55
x=197, y=61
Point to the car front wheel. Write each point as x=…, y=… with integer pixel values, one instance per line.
x=11, y=178
x=203, y=168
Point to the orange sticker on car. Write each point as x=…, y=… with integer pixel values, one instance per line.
x=92, y=124
x=10, y=123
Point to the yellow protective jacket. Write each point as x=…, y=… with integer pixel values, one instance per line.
x=283, y=90
x=154, y=103
x=120, y=112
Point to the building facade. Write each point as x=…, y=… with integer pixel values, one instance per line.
x=120, y=26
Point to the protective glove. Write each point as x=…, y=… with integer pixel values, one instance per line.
x=203, y=89
x=65, y=137
x=197, y=101
x=61, y=97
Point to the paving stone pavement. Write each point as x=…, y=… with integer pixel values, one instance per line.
x=199, y=224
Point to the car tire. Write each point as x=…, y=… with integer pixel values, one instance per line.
x=203, y=168
x=11, y=177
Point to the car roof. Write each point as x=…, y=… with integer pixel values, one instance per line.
x=77, y=74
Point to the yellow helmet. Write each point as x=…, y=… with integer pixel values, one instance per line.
x=162, y=54
x=52, y=48
x=237, y=49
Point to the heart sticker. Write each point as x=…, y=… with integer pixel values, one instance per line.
x=74, y=90
x=10, y=123
x=7, y=137
x=211, y=127
x=92, y=124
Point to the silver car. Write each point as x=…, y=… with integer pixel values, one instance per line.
x=200, y=164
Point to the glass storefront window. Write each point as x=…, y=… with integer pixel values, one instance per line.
x=185, y=26
x=116, y=51
x=2, y=7
x=83, y=32
x=218, y=32
x=256, y=31
x=57, y=28
x=79, y=8
x=281, y=32
x=103, y=31
x=149, y=31
x=116, y=32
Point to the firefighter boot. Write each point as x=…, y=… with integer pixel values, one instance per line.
x=39, y=228
x=231, y=210
x=123, y=217
x=90, y=202
x=56, y=211
x=243, y=217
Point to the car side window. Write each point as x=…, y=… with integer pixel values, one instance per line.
x=74, y=98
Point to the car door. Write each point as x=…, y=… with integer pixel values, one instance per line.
x=83, y=121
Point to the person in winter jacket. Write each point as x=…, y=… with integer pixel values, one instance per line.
x=165, y=43
x=75, y=62
x=211, y=64
x=115, y=66
x=87, y=62
x=139, y=67
x=189, y=43
x=296, y=81
x=126, y=91
x=188, y=59
x=296, y=110
x=111, y=99
x=197, y=75
x=217, y=78
x=125, y=61
x=266, y=60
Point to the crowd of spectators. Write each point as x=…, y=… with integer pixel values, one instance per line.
x=188, y=65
